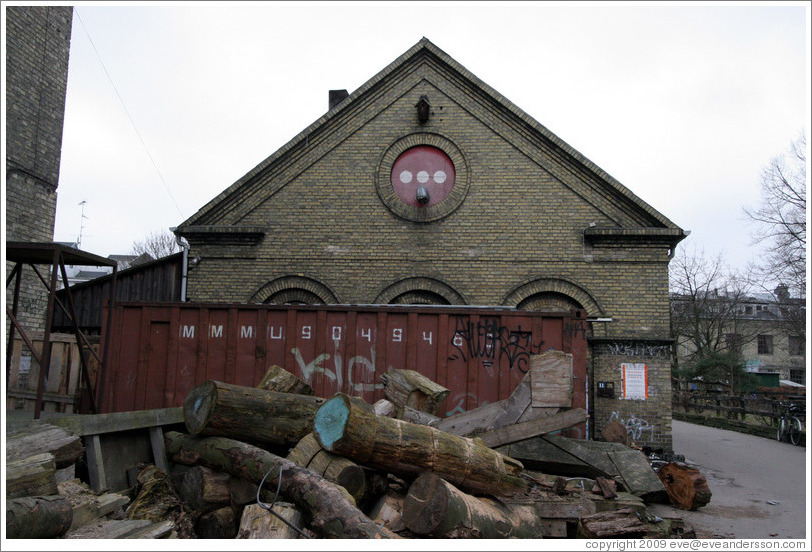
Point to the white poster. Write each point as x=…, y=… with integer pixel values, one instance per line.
x=635, y=381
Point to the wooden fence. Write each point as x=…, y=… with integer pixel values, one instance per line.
x=64, y=385
x=733, y=406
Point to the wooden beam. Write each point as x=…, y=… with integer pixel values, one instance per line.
x=533, y=428
x=95, y=424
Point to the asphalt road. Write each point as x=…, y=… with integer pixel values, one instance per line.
x=760, y=487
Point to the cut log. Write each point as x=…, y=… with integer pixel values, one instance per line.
x=38, y=517
x=330, y=508
x=435, y=507
x=217, y=524
x=384, y=407
x=280, y=380
x=32, y=476
x=204, y=489
x=348, y=426
x=411, y=388
x=249, y=414
x=309, y=454
x=259, y=523
x=620, y=524
x=388, y=511
x=534, y=428
x=686, y=487
x=36, y=437
x=414, y=416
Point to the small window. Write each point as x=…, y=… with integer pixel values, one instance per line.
x=748, y=310
x=797, y=376
x=733, y=341
x=765, y=344
x=796, y=345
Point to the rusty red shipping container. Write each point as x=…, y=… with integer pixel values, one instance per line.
x=157, y=352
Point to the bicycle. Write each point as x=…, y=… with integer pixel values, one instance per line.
x=790, y=424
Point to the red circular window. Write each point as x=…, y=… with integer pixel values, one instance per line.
x=423, y=176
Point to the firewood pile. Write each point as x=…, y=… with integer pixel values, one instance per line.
x=276, y=461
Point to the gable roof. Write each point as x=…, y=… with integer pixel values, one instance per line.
x=656, y=225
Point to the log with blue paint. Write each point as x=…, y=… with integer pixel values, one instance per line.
x=349, y=427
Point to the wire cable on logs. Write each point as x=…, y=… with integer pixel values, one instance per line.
x=269, y=507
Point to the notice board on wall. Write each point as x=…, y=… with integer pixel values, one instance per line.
x=635, y=380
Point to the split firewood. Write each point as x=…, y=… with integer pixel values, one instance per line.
x=686, y=487
x=157, y=501
x=606, y=487
x=280, y=380
x=348, y=426
x=249, y=414
x=36, y=437
x=388, y=511
x=259, y=523
x=217, y=524
x=38, y=517
x=331, y=510
x=435, y=507
x=31, y=476
x=620, y=524
x=204, y=489
x=413, y=389
x=309, y=454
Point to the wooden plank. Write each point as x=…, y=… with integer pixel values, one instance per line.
x=109, y=529
x=640, y=479
x=533, y=428
x=95, y=424
x=95, y=463
x=156, y=439
x=470, y=422
x=553, y=528
x=592, y=453
x=537, y=453
x=154, y=531
x=551, y=379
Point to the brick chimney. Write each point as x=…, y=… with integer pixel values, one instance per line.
x=336, y=97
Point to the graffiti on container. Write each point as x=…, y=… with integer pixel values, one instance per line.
x=635, y=427
x=490, y=342
x=575, y=328
x=637, y=348
x=336, y=374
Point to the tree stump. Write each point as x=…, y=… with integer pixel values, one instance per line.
x=348, y=426
x=686, y=487
x=249, y=414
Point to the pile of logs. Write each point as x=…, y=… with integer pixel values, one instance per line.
x=277, y=462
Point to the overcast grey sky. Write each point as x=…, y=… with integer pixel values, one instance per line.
x=682, y=103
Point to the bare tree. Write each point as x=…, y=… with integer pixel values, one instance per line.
x=780, y=219
x=157, y=244
x=706, y=305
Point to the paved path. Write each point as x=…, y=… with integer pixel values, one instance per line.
x=759, y=486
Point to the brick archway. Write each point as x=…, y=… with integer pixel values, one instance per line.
x=294, y=289
x=552, y=292
x=420, y=290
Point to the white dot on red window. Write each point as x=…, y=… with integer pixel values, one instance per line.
x=405, y=177
x=422, y=177
x=439, y=177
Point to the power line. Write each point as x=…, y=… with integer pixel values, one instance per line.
x=124, y=106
